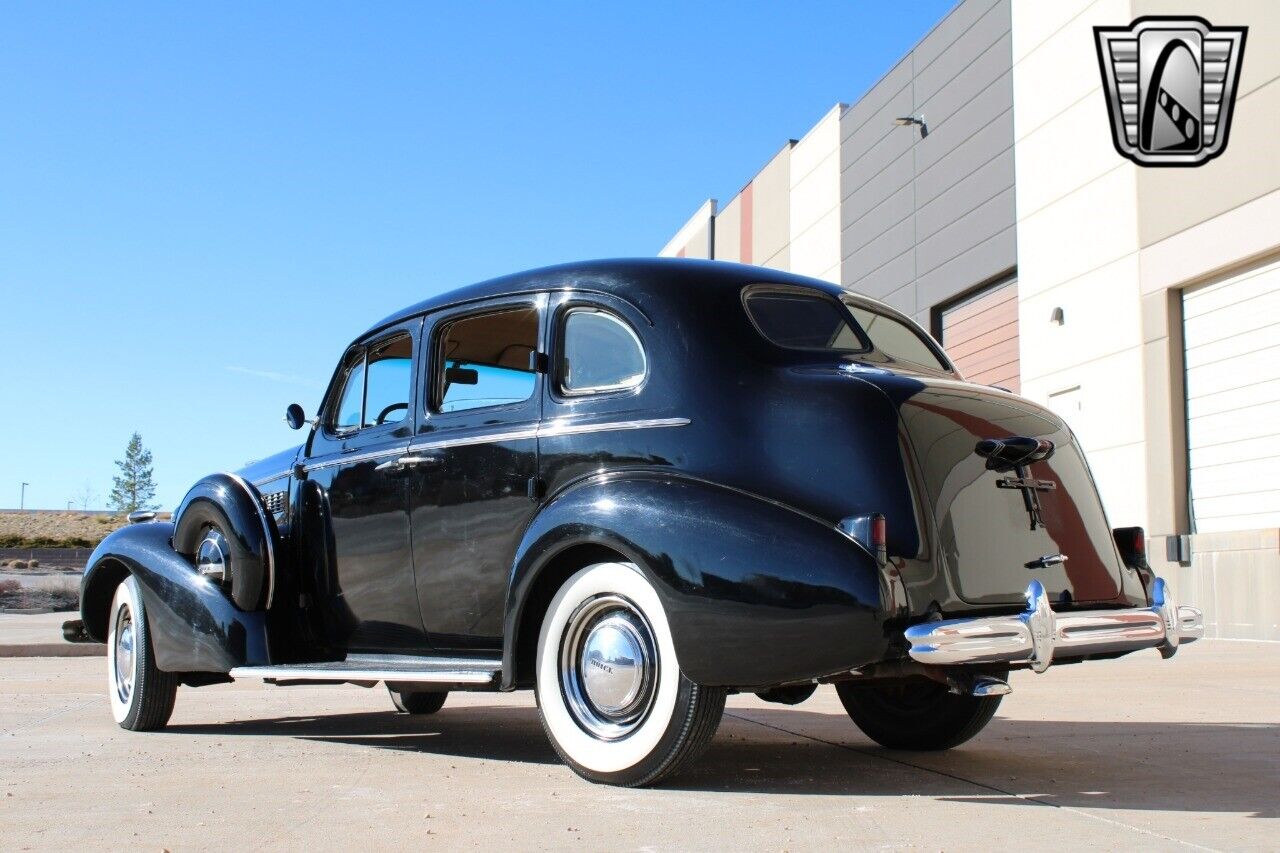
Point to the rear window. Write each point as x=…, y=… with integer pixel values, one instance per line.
x=803, y=321
x=896, y=339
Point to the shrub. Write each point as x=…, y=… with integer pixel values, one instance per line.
x=9, y=585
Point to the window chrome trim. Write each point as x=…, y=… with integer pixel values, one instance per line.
x=633, y=381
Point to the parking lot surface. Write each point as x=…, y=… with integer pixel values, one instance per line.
x=1129, y=753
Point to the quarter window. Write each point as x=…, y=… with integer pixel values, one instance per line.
x=351, y=404
x=600, y=353
x=376, y=388
x=484, y=360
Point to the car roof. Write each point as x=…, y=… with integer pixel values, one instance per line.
x=632, y=279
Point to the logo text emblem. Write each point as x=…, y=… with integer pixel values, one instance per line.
x=1170, y=85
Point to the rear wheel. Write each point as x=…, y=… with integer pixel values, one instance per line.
x=141, y=695
x=916, y=715
x=417, y=701
x=611, y=696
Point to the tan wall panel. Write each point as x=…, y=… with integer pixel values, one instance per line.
x=729, y=231
x=981, y=336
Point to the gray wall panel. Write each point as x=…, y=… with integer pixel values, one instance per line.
x=897, y=275
x=976, y=265
x=891, y=212
x=858, y=198
x=861, y=144
x=926, y=219
x=958, y=57
x=940, y=205
x=951, y=28
x=984, y=221
x=866, y=258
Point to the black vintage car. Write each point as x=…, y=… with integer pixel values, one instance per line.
x=635, y=487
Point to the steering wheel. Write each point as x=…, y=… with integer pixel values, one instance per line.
x=382, y=416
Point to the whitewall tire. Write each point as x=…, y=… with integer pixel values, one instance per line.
x=141, y=695
x=610, y=693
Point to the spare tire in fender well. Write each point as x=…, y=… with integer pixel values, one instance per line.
x=235, y=507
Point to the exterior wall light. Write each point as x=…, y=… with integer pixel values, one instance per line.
x=1057, y=318
x=907, y=121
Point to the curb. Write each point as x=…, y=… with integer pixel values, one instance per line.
x=54, y=650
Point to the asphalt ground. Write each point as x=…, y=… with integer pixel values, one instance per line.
x=1120, y=754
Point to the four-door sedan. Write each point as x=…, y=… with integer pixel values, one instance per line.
x=635, y=487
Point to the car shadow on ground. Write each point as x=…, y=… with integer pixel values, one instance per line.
x=1208, y=767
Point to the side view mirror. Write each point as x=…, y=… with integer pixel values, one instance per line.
x=461, y=376
x=295, y=417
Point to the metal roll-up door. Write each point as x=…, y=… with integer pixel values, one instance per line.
x=1231, y=335
x=980, y=334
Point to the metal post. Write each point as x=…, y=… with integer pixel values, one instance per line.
x=22, y=501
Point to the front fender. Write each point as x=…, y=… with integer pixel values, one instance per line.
x=756, y=593
x=194, y=626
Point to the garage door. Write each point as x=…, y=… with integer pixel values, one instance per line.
x=1231, y=331
x=980, y=334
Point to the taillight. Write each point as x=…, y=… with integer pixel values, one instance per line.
x=870, y=532
x=1131, y=542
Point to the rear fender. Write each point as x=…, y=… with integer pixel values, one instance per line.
x=756, y=593
x=194, y=625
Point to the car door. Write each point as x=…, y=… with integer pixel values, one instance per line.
x=365, y=579
x=475, y=491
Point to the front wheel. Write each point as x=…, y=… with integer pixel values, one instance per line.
x=141, y=695
x=610, y=693
x=917, y=714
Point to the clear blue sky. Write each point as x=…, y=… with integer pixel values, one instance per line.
x=200, y=206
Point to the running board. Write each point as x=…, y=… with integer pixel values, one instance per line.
x=442, y=670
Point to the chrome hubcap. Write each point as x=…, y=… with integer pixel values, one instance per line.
x=124, y=654
x=211, y=555
x=608, y=667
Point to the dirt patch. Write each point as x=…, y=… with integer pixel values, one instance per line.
x=59, y=597
x=57, y=529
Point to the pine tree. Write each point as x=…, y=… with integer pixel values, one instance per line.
x=135, y=488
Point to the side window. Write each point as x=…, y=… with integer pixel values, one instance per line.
x=390, y=379
x=895, y=339
x=484, y=360
x=351, y=402
x=599, y=353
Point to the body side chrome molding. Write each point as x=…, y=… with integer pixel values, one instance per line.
x=548, y=430
x=353, y=458
x=262, y=481
x=545, y=430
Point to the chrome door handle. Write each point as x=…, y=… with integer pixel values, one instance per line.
x=403, y=462
x=410, y=461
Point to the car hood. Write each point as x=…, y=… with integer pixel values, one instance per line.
x=272, y=467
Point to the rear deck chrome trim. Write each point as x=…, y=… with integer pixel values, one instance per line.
x=1038, y=634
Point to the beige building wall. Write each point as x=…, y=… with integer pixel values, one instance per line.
x=771, y=212
x=815, y=200
x=694, y=239
x=1115, y=246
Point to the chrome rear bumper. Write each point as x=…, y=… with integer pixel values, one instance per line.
x=1037, y=635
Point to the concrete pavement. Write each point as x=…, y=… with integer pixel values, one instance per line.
x=1116, y=754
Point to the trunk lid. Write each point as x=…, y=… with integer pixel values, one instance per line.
x=981, y=527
